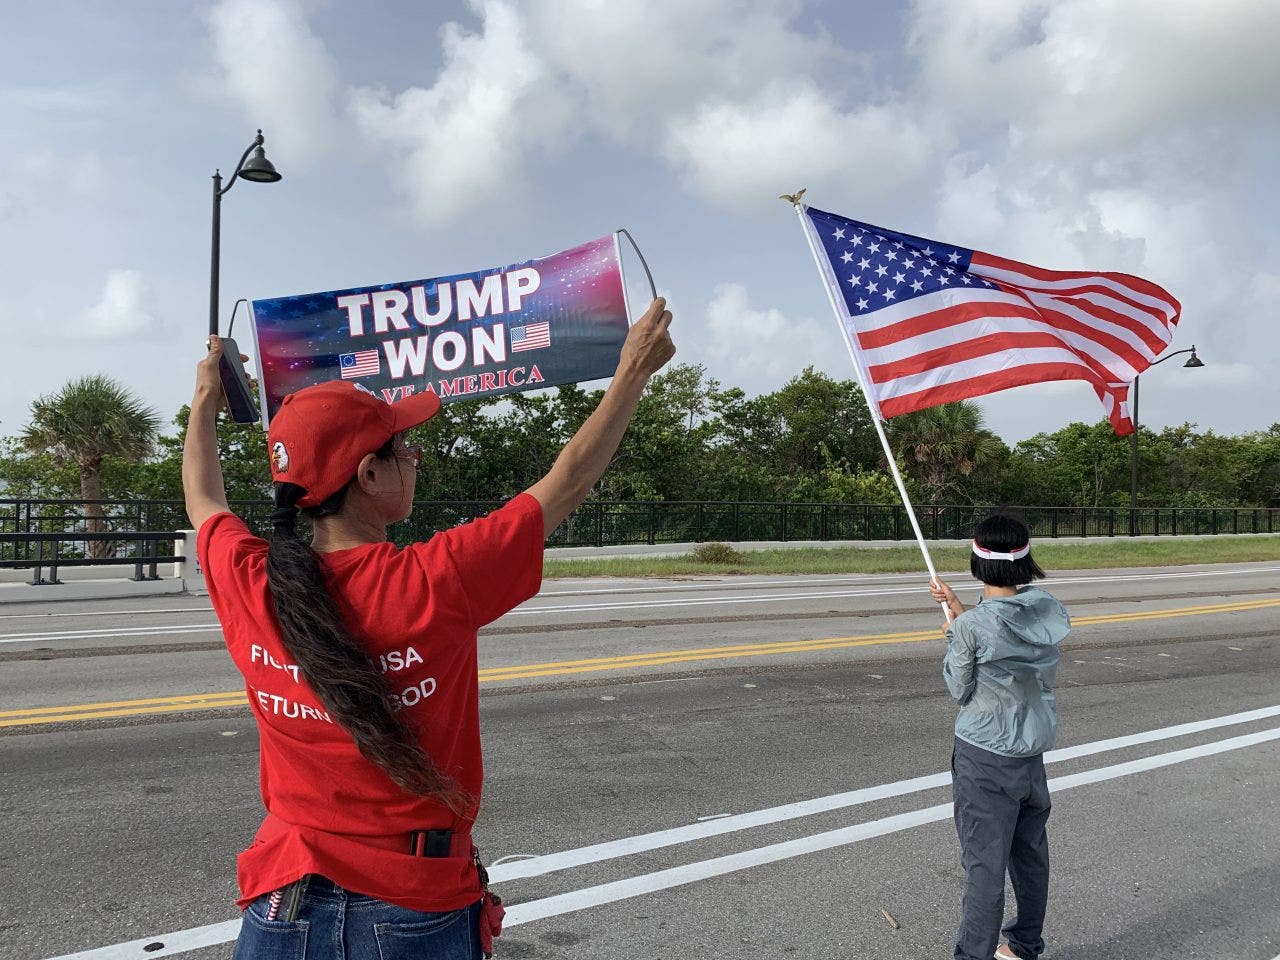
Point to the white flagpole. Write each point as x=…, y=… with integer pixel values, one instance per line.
x=872, y=402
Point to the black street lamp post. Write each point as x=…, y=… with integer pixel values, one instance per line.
x=257, y=169
x=1192, y=361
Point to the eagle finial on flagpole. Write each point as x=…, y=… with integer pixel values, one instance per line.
x=792, y=198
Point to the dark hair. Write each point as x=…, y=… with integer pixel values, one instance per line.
x=1003, y=534
x=334, y=663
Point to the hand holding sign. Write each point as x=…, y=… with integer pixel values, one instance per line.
x=648, y=345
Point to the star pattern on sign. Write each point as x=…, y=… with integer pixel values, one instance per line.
x=891, y=270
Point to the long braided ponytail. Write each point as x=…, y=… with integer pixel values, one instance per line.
x=333, y=662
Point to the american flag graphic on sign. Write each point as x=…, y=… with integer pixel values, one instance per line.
x=531, y=337
x=931, y=323
x=362, y=363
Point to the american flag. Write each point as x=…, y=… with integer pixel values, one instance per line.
x=531, y=337
x=932, y=323
x=362, y=363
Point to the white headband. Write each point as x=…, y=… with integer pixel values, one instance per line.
x=986, y=554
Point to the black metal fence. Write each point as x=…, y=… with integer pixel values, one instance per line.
x=630, y=522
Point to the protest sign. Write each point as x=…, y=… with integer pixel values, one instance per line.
x=561, y=319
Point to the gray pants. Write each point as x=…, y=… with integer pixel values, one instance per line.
x=1001, y=807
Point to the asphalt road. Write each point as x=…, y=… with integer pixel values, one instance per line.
x=736, y=767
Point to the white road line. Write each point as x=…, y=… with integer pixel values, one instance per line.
x=718, y=866
x=736, y=585
x=112, y=632
x=217, y=933
x=532, y=608
x=101, y=613
x=880, y=578
x=642, y=843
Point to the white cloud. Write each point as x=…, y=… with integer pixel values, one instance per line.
x=724, y=90
x=764, y=347
x=1083, y=75
x=281, y=73
x=630, y=68
x=458, y=145
x=743, y=154
x=123, y=310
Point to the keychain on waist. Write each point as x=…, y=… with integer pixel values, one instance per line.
x=491, y=909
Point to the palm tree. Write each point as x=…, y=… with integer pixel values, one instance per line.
x=942, y=444
x=89, y=419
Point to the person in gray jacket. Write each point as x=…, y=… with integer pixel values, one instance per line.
x=1000, y=663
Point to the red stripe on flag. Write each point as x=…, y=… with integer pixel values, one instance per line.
x=937, y=320
x=978, y=347
x=971, y=387
x=940, y=320
x=1138, y=284
x=1071, y=293
x=1152, y=339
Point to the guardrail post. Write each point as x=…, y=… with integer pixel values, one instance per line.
x=53, y=562
x=37, y=570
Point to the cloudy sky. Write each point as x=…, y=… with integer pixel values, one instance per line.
x=1131, y=135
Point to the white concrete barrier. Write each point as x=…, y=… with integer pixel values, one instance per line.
x=188, y=569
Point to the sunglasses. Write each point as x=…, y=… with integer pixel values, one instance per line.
x=412, y=454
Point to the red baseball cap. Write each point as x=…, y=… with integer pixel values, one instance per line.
x=320, y=434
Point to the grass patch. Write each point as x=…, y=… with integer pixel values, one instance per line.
x=906, y=559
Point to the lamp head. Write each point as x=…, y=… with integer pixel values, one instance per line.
x=1193, y=360
x=258, y=168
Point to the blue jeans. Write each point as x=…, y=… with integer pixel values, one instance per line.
x=334, y=924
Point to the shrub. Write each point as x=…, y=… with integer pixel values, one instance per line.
x=717, y=553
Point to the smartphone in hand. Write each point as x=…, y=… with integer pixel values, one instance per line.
x=235, y=385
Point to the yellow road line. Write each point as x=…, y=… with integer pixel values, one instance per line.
x=239, y=701
x=123, y=703
x=235, y=698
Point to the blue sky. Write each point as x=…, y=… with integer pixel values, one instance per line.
x=422, y=140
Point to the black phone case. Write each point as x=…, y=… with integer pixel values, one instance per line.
x=235, y=385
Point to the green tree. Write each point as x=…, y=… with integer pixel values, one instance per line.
x=942, y=447
x=765, y=445
x=1081, y=465
x=88, y=420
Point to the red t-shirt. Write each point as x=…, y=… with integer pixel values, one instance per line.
x=329, y=810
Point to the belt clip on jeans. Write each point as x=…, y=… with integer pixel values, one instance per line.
x=287, y=901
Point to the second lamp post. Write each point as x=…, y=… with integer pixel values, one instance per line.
x=257, y=169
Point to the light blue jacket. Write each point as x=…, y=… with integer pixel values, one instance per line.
x=1000, y=663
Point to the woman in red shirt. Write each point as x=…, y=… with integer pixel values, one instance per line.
x=359, y=661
